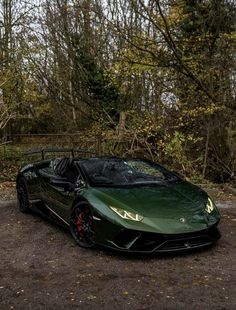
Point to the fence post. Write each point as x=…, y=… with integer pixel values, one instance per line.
x=99, y=144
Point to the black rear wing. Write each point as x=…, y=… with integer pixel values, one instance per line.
x=43, y=151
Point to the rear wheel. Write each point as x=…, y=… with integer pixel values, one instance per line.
x=22, y=195
x=82, y=225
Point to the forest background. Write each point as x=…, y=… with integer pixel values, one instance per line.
x=121, y=77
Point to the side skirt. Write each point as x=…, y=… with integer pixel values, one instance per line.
x=42, y=208
x=57, y=215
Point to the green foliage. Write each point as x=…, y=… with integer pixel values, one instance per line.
x=100, y=88
x=208, y=17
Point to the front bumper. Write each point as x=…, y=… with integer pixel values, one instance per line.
x=145, y=242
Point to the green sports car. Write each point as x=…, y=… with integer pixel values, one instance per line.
x=126, y=204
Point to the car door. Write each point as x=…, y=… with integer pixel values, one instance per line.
x=55, y=193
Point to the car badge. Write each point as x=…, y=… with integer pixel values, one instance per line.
x=182, y=220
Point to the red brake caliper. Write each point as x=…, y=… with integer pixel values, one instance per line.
x=79, y=224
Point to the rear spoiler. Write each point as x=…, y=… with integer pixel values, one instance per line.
x=43, y=151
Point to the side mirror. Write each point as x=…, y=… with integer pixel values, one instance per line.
x=80, y=184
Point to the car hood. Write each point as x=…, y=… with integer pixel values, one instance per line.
x=181, y=199
x=175, y=208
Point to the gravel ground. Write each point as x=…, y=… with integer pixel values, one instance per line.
x=42, y=268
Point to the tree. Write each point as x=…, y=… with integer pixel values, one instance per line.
x=14, y=18
x=193, y=42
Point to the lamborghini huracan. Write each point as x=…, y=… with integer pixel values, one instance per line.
x=127, y=204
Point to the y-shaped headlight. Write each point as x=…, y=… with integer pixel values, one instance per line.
x=127, y=215
x=210, y=207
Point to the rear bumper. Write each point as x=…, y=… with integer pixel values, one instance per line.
x=145, y=242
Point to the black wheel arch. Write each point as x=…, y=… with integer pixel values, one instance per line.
x=79, y=199
x=22, y=193
x=19, y=175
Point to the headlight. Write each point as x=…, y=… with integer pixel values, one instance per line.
x=209, y=206
x=127, y=215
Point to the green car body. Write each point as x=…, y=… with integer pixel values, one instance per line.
x=141, y=217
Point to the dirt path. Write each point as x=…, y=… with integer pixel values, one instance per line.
x=42, y=268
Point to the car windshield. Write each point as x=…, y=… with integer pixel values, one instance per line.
x=125, y=172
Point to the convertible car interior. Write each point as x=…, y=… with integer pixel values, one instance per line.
x=65, y=167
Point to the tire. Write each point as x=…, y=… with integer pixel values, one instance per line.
x=22, y=195
x=82, y=225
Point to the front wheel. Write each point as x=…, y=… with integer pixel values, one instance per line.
x=22, y=195
x=82, y=225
